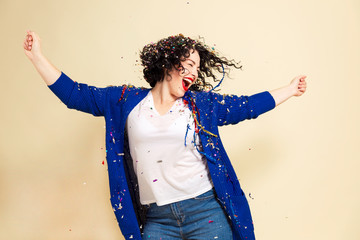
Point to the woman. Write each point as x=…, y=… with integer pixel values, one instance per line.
x=169, y=174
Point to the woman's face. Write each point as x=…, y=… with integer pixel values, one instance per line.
x=182, y=78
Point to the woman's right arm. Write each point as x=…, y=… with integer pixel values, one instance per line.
x=74, y=95
x=32, y=48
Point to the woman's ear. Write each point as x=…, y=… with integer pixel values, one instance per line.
x=167, y=75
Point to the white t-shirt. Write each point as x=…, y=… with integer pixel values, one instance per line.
x=167, y=170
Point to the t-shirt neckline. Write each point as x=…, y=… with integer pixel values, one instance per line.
x=152, y=105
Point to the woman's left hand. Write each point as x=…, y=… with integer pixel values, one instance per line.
x=298, y=85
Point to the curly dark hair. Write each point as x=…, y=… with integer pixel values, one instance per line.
x=160, y=58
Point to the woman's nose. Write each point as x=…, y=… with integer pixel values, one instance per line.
x=194, y=73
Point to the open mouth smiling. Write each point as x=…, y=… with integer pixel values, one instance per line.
x=186, y=82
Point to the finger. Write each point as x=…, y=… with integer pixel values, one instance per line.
x=31, y=35
x=27, y=48
x=302, y=85
x=302, y=78
x=34, y=36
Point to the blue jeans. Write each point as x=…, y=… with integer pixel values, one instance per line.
x=199, y=218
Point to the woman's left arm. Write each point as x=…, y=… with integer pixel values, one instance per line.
x=297, y=87
x=232, y=109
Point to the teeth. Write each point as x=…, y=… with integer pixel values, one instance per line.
x=188, y=80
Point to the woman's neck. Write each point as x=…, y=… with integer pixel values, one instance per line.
x=163, y=99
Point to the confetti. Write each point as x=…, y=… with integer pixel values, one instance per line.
x=155, y=180
x=250, y=196
x=211, y=221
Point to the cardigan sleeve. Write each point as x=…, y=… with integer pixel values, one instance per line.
x=80, y=96
x=232, y=109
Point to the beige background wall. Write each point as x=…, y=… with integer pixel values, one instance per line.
x=300, y=162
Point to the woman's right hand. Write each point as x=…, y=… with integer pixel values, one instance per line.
x=32, y=50
x=32, y=45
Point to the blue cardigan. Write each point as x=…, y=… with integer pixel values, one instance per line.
x=211, y=109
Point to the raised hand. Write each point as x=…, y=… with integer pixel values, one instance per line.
x=47, y=71
x=32, y=45
x=299, y=85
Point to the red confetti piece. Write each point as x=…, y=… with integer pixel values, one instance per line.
x=210, y=221
x=103, y=162
x=122, y=93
